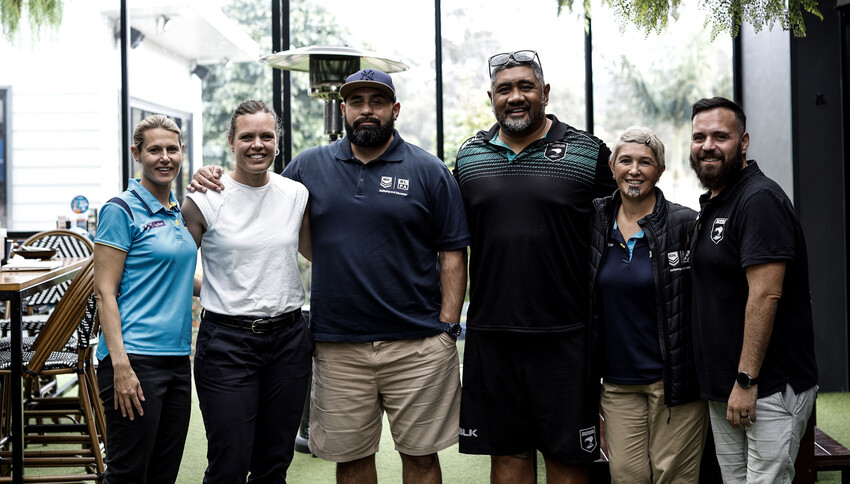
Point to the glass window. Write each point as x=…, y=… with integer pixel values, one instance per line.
x=653, y=80
x=474, y=30
x=184, y=122
x=228, y=81
x=336, y=23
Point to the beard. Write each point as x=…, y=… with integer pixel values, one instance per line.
x=520, y=127
x=371, y=136
x=714, y=179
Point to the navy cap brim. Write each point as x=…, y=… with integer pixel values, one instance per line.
x=346, y=88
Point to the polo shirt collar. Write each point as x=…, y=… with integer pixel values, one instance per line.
x=150, y=202
x=393, y=153
x=555, y=133
x=751, y=169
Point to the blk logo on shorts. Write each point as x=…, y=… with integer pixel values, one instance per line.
x=468, y=432
x=718, y=229
x=556, y=151
x=588, y=439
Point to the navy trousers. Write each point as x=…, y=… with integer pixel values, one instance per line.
x=251, y=389
x=149, y=448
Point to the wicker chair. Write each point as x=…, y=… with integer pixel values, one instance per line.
x=76, y=420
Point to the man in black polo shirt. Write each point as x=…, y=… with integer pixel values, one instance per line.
x=753, y=332
x=528, y=184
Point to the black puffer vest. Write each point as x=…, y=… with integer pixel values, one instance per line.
x=666, y=230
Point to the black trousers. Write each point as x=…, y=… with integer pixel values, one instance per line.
x=149, y=448
x=251, y=389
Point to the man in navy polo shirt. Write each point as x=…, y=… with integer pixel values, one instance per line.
x=752, y=314
x=389, y=241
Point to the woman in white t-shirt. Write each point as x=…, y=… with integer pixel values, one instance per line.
x=252, y=358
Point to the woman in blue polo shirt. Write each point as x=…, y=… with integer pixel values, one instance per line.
x=655, y=423
x=144, y=262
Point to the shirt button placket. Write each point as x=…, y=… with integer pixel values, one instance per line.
x=361, y=180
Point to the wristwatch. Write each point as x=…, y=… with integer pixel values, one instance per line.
x=453, y=329
x=745, y=380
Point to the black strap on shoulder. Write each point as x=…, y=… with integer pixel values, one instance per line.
x=121, y=203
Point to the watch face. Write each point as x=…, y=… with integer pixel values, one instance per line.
x=744, y=380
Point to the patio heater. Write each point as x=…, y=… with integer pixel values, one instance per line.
x=328, y=67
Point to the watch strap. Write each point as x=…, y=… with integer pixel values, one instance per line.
x=453, y=329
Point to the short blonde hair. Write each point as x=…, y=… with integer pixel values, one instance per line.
x=640, y=135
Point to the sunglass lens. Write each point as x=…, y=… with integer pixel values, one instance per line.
x=524, y=55
x=499, y=59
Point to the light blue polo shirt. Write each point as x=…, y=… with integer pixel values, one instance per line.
x=155, y=294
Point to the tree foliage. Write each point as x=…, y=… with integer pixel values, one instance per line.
x=661, y=94
x=40, y=13
x=230, y=85
x=724, y=16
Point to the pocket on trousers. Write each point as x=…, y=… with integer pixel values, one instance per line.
x=447, y=340
x=794, y=402
x=206, y=335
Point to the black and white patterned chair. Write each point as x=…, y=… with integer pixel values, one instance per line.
x=67, y=244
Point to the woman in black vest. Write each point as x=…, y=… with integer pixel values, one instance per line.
x=640, y=280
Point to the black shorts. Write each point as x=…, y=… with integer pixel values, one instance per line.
x=529, y=391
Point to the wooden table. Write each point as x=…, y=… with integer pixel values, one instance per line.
x=15, y=286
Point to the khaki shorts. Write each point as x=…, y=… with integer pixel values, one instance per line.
x=416, y=381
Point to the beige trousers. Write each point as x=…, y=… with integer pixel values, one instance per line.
x=643, y=446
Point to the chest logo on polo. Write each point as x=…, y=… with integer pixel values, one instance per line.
x=153, y=225
x=718, y=229
x=395, y=186
x=556, y=151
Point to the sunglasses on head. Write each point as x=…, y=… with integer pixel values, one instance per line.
x=518, y=55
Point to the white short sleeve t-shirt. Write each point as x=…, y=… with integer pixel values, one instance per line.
x=250, y=249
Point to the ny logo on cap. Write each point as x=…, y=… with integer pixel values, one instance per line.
x=367, y=75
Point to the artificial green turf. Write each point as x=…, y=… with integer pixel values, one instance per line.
x=833, y=410
x=833, y=417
